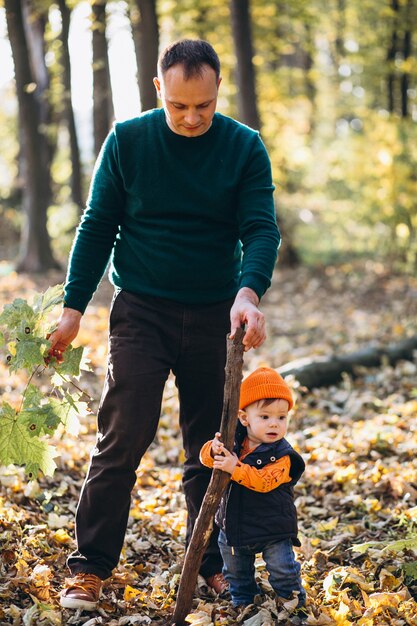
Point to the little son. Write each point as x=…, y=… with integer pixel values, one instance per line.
x=257, y=512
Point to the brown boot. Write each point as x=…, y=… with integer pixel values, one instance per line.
x=81, y=592
x=218, y=583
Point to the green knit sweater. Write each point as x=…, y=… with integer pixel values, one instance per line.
x=188, y=219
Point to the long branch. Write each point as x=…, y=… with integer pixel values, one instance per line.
x=219, y=480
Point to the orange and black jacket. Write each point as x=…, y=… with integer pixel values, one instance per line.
x=258, y=505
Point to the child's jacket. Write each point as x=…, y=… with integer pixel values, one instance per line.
x=247, y=516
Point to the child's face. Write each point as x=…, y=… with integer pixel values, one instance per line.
x=265, y=424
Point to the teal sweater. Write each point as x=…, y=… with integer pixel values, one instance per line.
x=188, y=219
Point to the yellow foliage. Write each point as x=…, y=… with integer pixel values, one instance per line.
x=329, y=525
x=130, y=593
x=61, y=536
x=346, y=474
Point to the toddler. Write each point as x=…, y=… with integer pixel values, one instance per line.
x=257, y=512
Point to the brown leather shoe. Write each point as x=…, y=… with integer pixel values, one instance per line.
x=81, y=592
x=218, y=583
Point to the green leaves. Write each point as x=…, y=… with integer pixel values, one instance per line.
x=71, y=364
x=44, y=302
x=20, y=447
x=38, y=415
x=24, y=432
x=26, y=328
x=16, y=314
x=29, y=353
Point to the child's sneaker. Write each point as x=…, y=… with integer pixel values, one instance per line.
x=218, y=583
x=299, y=616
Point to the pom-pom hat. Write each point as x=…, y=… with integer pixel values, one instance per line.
x=263, y=383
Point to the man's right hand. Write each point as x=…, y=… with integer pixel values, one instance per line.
x=65, y=333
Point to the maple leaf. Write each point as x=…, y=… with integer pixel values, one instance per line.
x=18, y=316
x=18, y=447
x=68, y=409
x=50, y=298
x=43, y=303
x=29, y=353
x=42, y=416
x=39, y=420
x=33, y=397
x=71, y=363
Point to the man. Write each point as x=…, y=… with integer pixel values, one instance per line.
x=181, y=200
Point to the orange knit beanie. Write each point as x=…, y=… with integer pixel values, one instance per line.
x=264, y=382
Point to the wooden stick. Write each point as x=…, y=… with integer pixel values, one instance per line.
x=219, y=480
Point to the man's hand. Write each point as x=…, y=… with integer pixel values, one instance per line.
x=245, y=311
x=65, y=333
x=226, y=461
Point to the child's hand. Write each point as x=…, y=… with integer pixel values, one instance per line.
x=217, y=447
x=226, y=461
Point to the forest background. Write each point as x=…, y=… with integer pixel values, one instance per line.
x=332, y=87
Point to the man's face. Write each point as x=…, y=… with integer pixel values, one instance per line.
x=189, y=105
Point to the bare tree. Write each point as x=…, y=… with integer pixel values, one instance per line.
x=245, y=73
x=35, y=249
x=145, y=30
x=103, y=112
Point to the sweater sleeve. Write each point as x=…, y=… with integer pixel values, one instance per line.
x=258, y=228
x=96, y=234
x=205, y=455
x=265, y=479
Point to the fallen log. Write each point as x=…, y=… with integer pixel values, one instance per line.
x=219, y=480
x=324, y=371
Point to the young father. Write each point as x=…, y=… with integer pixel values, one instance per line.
x=181, y=203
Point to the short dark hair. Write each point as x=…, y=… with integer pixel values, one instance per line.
x=264, y=402
x=267, y=401
x=192, y=54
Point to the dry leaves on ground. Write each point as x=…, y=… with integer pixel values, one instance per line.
x=360, y=485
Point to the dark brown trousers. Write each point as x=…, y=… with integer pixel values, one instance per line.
x=149, y=337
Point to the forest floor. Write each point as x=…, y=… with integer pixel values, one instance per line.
x=360, y=486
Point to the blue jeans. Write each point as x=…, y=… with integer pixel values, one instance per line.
x=239, y=570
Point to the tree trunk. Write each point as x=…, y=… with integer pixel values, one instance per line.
x=310, y=85
x=200, y=22
x=76, y=170
x=340, y=30
x=245, y=73
x=145, y=30
x=35, y=249
x=218, y=483
x=288, y=254
x=392, y=51
x=103, y=113
x=405, y=78
x=323, y=371
x=34, y=22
